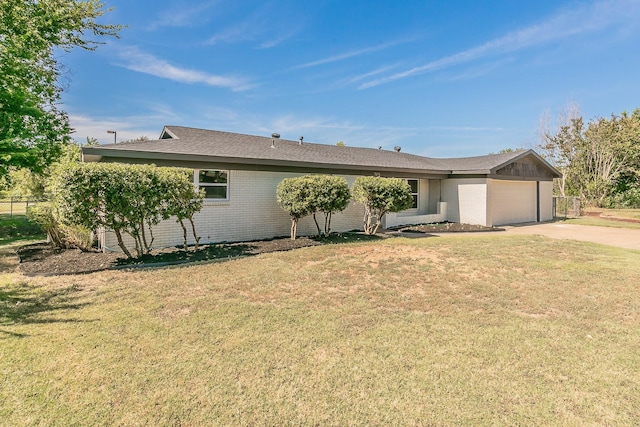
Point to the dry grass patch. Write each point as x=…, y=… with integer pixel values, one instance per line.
x=441, y=331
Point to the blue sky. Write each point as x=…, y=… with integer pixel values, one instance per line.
x=439, y=78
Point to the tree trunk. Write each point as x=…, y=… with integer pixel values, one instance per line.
x=184, y=235
x=121, y=243
x=317, y=225
x=327, y=223
x=196, y=239
x=294, y=228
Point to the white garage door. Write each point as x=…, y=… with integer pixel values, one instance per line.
x=512, y=202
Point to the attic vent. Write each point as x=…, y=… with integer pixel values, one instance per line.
x=300, y=139
x=397, y=148
x=275, y=135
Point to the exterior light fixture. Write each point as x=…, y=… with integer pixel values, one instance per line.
x=115, y=135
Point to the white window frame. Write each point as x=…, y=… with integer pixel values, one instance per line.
x=198, y=184
x=417, y=193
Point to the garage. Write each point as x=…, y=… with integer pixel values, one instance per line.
x=512, y=202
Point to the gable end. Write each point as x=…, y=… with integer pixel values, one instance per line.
x=524, y=168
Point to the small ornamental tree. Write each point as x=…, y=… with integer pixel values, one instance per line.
x=379, y=196
x=330, y=194
x=293, y=196
x=184, y=200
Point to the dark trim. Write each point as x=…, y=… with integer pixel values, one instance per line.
x=519, y=178
x=275, y=168
x=537, y=201
x=450, y=176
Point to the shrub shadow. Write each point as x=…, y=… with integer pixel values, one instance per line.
x=23, y=305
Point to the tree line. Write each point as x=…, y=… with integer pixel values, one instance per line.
x=599, y=160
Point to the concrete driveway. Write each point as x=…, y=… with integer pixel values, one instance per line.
x=620, y=237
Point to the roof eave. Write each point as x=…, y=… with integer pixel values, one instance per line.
x=96, y=154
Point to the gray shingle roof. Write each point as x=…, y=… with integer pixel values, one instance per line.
x=211, y=145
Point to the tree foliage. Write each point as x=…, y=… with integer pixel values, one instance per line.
x=128, y=199
x=312, y=194
x=380, y=195
x=24, y=183
x=294, y=196
x=32, y=127
x=329, y=194
x=600, y=161
x=184, y=200
x=60, y=235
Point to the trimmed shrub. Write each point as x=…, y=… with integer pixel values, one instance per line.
x=128, y=199
x=379, y=196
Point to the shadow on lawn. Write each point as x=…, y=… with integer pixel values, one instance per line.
x=205, y=253
x=25, y=305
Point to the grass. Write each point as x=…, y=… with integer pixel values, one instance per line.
x=601, y=222
x=17, y=227
x=517, y=330
x=618, y=213
x=17, y=208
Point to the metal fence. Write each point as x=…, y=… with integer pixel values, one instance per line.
x=16, y=205
x=566, y=207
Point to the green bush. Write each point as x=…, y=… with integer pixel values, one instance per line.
x=42, y=214
x=329, y=194
x=310, y=194
x=294, y=196
x=128, y=199
x=628, y=199
x=379, y=196
x=60, y=235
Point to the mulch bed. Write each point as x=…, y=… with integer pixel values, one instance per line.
x=445, y=227
x=42, y=259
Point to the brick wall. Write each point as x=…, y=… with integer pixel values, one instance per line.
x=250, y=213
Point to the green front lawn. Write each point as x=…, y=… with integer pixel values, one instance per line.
x=516, y=330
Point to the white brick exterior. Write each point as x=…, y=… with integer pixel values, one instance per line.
x=251, y=213
x=466, y=200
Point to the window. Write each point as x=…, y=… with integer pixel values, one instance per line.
x=214, y=183
x=413, y=183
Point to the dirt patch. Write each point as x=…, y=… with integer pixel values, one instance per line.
x=613, y=218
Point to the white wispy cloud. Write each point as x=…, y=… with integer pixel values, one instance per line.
x=266, y=26
x=377, y=71
x=184, y=16
x=565, y=24
x=129, y=127
x=142, y=62
x=348, y=55
x=480, y=70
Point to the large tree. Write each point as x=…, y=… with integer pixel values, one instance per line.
x=600, y=161
x=32, y=126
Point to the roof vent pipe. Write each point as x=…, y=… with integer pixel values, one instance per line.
x=397, y=148
x=300, y=139
x=275, y=135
